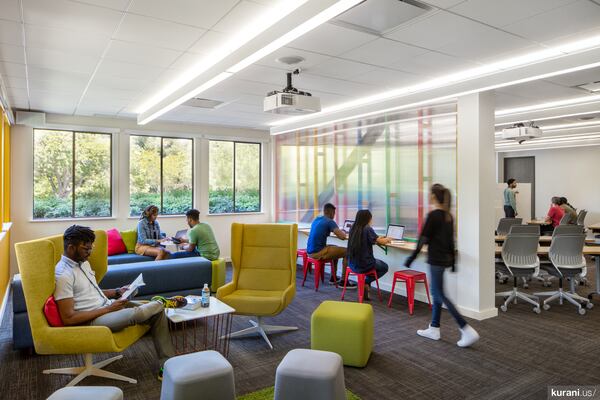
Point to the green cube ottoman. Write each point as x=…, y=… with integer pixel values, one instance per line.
x=345, y=328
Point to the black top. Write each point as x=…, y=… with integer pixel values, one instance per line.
x=438, y=234
x=365, y=260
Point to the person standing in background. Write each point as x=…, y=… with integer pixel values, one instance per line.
x=438, y=234
x=510, y=201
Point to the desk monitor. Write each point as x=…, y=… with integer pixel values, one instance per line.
x=348, y=225
x=395, y=232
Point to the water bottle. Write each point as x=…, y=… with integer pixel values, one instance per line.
x=205, y=302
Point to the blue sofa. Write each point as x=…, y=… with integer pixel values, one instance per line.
x=182, y=276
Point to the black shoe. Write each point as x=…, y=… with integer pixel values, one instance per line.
x=349, y=286
x=334, y=282
x=366, y=294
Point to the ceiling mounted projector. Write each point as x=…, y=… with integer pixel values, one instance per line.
x=521, y=133
x=291, y=101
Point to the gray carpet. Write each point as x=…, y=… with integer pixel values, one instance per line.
x=519, y=355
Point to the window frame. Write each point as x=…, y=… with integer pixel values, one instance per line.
x=260, y=157
x=73, y=168
x=161, y=171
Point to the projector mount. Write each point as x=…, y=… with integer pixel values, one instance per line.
x=289, y=88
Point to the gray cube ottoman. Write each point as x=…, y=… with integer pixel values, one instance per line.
x=87, y=392
x=310, y=374
x=206, y=374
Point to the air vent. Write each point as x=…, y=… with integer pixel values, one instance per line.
x=203, y=103
x=379, y=17
x=590, y=87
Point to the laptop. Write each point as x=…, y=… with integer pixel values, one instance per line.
x=348, y=225
x=180, y=234
x=396, y=233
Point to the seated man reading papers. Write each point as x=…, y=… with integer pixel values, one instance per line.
x=81, y=301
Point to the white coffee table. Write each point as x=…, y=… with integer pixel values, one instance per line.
x=201, y=329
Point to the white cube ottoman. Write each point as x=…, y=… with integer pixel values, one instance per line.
x=310, y=374
x=206, y=374
x=87, y=392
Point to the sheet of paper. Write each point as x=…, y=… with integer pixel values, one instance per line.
x=137, y=283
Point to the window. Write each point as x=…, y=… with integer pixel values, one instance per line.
x=160, y=173
x=234, y=177
x=71, y=174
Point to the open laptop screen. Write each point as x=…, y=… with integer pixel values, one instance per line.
x=348, y=225
x=395, y=232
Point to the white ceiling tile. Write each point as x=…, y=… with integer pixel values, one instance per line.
x=331, y=40
x=209, y=42
x=53, y=102
x=244, y=14
x=259, y=73
x=46, y=74
x=76, y=16
x=433, y=64
x=16, y=92
x=8, y=69
x=505, y=12
x=11, y=9
x=310, y=59
x=117, y=69
x=186, y=61
x=98, y=91
x=121, y=83
x=340, y=68
x=11, y=32
x=383, y=52
x=52, y=59
x=310, y=83
x=486, y=42
x=136, y=53
x=67, y=41
x=542, y=90
x=119, y=5
x=16, y=83
x=442, y=3
x=200, y=13
x=71, y=87
x=155, y=32
x=21, y=102
x=575, y=17
x=383, y=77
x=11, y=53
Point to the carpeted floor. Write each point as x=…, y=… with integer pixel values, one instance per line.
x=519, y=355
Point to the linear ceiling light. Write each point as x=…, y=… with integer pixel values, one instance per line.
x=285, y=8
x=554, y=140
x=552, y=105
x=461, y=76
x=563, y=127
x=546, y=118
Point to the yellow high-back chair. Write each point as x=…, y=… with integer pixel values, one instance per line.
x=37, y=259
x=264, y=274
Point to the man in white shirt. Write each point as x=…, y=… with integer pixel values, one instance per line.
x=81, y=301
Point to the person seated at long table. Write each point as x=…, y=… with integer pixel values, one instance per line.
x=555, y=214
x=317, y=246
x=569, y=210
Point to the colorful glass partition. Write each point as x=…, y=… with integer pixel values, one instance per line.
x=384, y=162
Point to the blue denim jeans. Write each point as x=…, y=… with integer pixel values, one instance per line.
x=439, y=298
x=185, y=254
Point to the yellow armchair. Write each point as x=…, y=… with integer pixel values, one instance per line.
x=264, y=274
x=36, y=260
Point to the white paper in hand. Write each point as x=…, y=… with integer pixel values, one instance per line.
x=137, y=283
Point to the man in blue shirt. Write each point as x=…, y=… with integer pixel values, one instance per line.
x=317, y=246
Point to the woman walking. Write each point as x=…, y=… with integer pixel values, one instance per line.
x=438, y=234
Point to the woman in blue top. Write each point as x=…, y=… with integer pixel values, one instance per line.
x=360, y=248
x=149, y=236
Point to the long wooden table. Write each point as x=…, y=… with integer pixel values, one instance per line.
x=404, y=245
x=595, y=228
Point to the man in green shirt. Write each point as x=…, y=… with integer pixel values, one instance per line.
x=201, y=239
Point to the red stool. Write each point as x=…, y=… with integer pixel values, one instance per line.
x=411, y=277
x=302, y=253
x=319, y=270
x=361, y=283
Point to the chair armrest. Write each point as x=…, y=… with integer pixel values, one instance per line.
x=75, y=340
x=226, y=290
x=288, y=295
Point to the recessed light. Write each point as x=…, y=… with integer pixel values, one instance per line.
x=290, y=60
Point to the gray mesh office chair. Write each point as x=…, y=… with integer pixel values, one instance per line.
x=565, y=219
x=581, y=217
x=527, y=229
x=566, y=255
x=505, y=223
x=519, y=254
x=567, y=230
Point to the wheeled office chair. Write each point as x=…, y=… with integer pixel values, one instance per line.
x=527, y=229
x=581, y=217
x=519, y=254
x=505, y=223
x=566, y=255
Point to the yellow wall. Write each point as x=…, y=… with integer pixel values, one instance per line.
x=4, y=206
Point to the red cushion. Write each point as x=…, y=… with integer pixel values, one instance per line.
x=115, y=242
x=51, y=312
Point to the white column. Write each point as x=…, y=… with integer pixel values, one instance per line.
x=476, y=187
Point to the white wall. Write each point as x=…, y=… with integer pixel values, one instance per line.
x=569, y=172
x=24, y=228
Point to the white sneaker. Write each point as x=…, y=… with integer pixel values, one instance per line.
x=432, y=333
x=468, y=336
